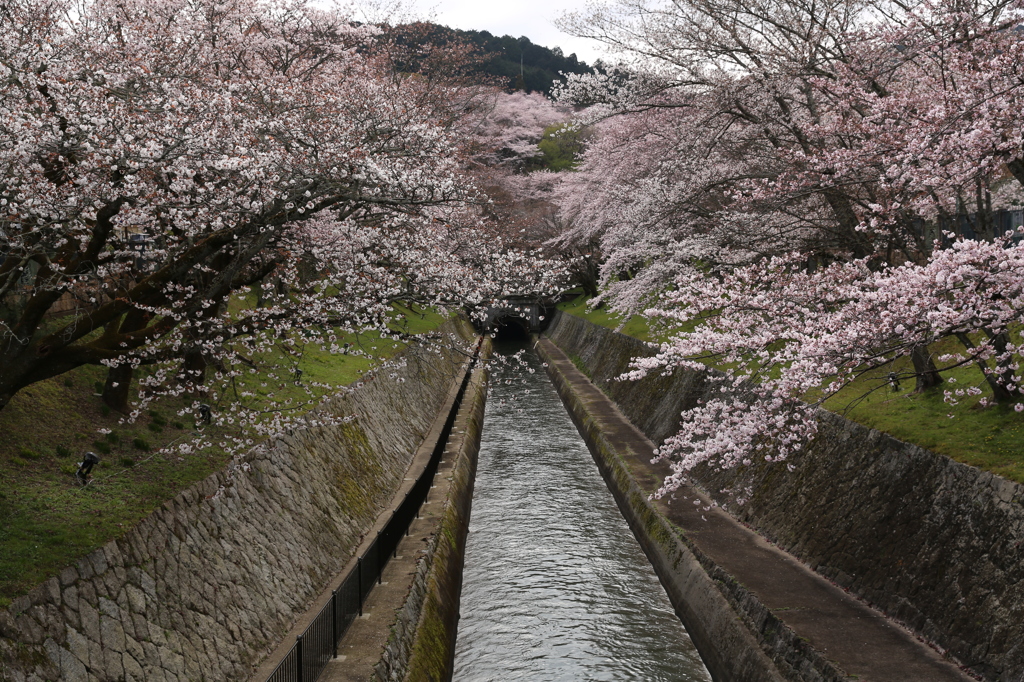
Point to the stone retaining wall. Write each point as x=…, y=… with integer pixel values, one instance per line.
x=936, y=544
x=206, y=585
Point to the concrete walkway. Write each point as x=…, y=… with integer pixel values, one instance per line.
x=361, y=646
x=860, y=641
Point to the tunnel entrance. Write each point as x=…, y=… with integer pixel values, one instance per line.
x=516, y=317
x=510, y=328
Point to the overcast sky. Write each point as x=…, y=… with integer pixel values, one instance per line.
x=531, y=18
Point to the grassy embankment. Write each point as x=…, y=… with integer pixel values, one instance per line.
x=47, y=520
x=989, y=438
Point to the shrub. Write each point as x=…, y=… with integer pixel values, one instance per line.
x=127, y=462
x=102, y=446
x=112, y=437
x=141, y=444
x=63, y=451
x=29, y=453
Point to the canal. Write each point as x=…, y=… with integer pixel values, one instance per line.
x=555, y=585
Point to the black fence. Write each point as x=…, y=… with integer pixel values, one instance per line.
x=319, y=643
x=973, y=226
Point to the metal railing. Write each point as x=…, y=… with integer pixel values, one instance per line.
x=318, y=644
x=973, y=226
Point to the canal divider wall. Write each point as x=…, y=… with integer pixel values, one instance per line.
x=421, y=647
x=933, y=543
x=202, y=588
x=706, y=599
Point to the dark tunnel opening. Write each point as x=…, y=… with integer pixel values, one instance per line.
x=511, y=329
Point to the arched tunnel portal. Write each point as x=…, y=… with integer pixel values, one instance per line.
x=510, y=328
x=517, y=317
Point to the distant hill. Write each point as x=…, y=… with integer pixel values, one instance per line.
x=540, y=65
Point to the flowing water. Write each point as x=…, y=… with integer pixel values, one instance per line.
x=555, y=585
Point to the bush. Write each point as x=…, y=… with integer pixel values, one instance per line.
x=141, y=444
x=69, y=383
x=178, y=425
x=63, y=451
x=127, y=462
x=154, y=427
x=28, y=453
x=102, y=446
x=157, y=418
x=99, y=387
x=112, y=437
x=105, y=410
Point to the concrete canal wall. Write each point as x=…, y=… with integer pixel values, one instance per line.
x=421, y=647
x=934, y=544
x=204, y=586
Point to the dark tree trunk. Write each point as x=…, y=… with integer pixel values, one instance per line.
x=1000, y=393
x=1004, y=372
x=119, y=379
x=926, y=374
x=1016, y=168
x=194, y=368
x=117, y=387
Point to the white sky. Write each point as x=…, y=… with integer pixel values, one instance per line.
x=530, y=18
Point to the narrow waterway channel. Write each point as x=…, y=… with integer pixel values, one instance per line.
x=555, y=585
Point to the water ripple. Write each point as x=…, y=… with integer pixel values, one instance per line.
x=556, y=587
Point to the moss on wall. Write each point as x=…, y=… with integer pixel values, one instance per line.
x=422, y=650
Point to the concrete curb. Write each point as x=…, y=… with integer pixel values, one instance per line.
x=809, y=628
x=418, y=463
x=422, y=642
x=928, y=543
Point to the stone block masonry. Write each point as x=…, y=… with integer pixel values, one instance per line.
x=204, y=586
x=934, y=544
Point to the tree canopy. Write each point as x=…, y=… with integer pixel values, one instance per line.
x=762, y=181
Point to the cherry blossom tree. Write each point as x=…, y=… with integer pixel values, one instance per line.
x=924, y=111
x=506, y=128
x=505, y=158
x=784, y=334
x=760, y=184
x=168, y=164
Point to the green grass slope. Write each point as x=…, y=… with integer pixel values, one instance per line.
x=48, y=521
x=990, y=438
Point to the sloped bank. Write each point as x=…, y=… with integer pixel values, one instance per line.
x=203, y=586
x=933, y=543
